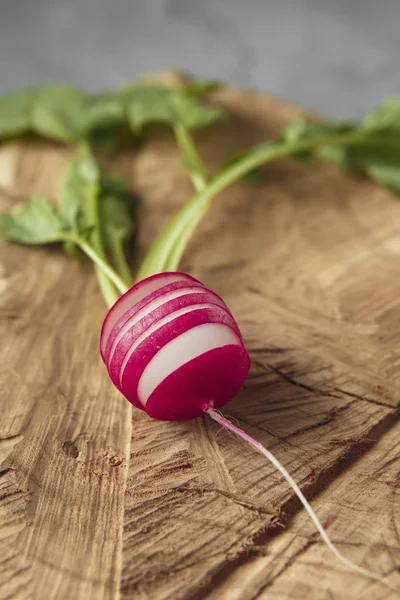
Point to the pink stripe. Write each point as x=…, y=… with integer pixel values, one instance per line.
x=133, y=296
x=142, y=303
x=150, y=306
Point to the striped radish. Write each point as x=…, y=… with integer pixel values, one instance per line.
x=173, y=348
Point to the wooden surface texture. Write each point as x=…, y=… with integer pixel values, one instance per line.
x=99, y=501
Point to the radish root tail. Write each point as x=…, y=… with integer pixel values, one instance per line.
x=221, y=420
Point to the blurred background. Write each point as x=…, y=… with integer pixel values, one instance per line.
x=337, y=56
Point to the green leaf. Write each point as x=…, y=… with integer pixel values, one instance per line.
x=304, y=131
x=116, y=218
x=63, y=113
x=385, y=117
x=114, y=185
x=36, y=223
x=105, y=139
x=56, y=113
x=382, y=165
x=81, y=180
x=386, y=175
x=15, y=112
x=88, y=169
x=50, y=111
x=149, y=104
x=102, y=110
x=103, y=117
x=300, y=131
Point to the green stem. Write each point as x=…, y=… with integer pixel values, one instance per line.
x=106, y=287
x=166, y=252
x=190, y=157
x=120, y=262
x=121, y=285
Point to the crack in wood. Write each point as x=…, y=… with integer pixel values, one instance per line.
x=7, y=438
x=6, y=470
x=207, y=447
x=331, y=416
x=285, y=377
x=363, y=398
x=292, y=381
x=233, y=497
x=269, y=349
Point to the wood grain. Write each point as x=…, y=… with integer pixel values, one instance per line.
x=309, y=262
x=64, y=433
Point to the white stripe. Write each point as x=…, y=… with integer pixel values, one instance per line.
x=171, y=317
x=181, y=350
x=134, y=297
x=144, y=311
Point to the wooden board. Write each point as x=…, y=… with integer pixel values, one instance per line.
x=309, y=262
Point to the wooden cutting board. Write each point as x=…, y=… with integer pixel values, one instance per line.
x=98, y=501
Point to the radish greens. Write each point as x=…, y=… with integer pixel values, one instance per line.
x=96, y=209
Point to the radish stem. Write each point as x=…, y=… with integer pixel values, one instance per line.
x=166, y=252
x=121, y=285
x=105, y=283
x=121, y=264
x=190, y=157
x=106, y=287
x=262, y=450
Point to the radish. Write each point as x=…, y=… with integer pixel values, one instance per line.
x=174, y=350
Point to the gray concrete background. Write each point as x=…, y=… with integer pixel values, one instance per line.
x=337, y=56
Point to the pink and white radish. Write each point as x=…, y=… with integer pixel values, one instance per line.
x=173, y=348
